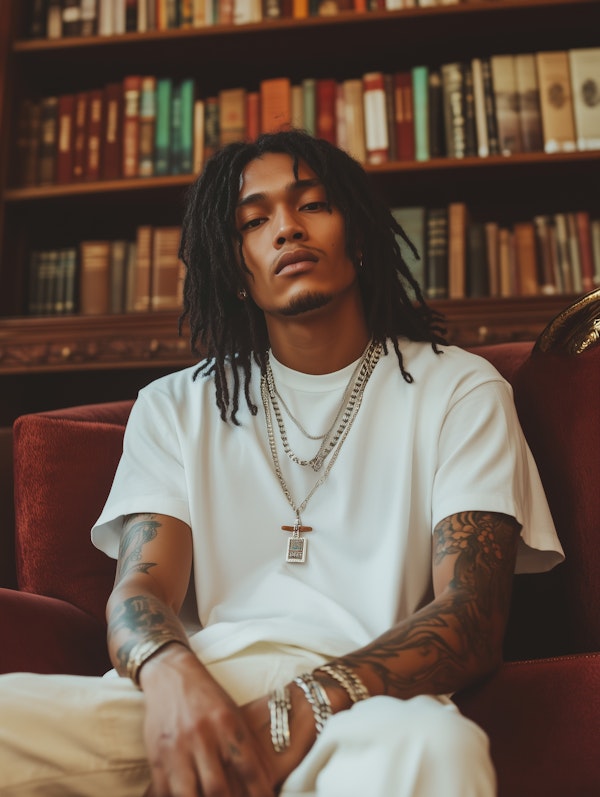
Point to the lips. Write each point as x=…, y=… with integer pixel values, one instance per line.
x=295, y=256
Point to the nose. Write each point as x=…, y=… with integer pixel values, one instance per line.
x=288, y=228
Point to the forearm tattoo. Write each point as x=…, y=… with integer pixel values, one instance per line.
x=455, y=638
x=139, y=618
x=139, y=530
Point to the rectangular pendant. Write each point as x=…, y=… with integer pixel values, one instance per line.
x=296, y=549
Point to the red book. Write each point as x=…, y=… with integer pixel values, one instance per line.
x=326, y=94
x=111, y=157
x=252, y=115
x=405, y=131
x=80, y=136
x=582, y=221
x=64, y=151
x=132, y=90
x=93, y=150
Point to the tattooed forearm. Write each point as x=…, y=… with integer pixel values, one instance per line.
x=139, y=618
x=139, y=529
x=457, y=637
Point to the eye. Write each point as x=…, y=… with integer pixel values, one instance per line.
x=316, y=205
x=251, y=224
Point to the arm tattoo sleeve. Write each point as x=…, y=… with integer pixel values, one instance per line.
x=457, y=637
x=139, y=530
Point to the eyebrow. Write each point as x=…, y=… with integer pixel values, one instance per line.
x=297, y=185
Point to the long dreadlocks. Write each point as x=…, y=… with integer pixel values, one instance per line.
x=227, y=330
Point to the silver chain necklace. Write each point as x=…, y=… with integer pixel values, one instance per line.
x=297, y=544
x=354, y=387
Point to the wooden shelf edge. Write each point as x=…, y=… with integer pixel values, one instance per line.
x=142, y=340
x=135, y=340
x=476, y=7
x=441, y=165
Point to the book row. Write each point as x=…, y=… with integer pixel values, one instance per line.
x=109, y=276
x=463, y=257
x=144, y=126
x=459, y=258
x=55, y=19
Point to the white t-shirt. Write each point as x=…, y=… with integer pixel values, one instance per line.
x=416, y=453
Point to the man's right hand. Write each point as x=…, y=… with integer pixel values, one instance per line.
x=197, y=740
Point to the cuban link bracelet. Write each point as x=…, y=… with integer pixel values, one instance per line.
x=317, y=697
x=347, y=679
x=279, y=706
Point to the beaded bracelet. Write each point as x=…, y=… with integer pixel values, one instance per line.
x=279, y=706
x=317, y=697
x=347, y=679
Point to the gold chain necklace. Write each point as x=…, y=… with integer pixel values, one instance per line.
x=297, y=544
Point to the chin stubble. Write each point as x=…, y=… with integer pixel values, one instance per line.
x=305, y=303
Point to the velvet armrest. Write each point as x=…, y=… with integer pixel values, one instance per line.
x=48, y=635
x=543, y=719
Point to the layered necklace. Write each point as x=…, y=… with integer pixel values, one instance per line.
x=331, y=440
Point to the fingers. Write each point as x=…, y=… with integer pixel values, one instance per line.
x=228, y=767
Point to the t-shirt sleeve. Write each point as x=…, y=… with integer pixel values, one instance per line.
x=150, y=476
x=485, y=464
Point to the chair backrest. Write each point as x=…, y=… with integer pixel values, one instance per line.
x=64, y=463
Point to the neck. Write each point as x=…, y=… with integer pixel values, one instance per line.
x=320, y=344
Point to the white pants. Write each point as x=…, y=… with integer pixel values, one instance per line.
x=64, y=735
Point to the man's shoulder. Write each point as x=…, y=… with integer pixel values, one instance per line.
x=447, y=364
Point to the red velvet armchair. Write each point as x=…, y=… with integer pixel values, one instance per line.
x=541, y=710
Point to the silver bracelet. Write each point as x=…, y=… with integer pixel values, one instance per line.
x=279, y=706
x=142, y=651
x=317, y=697
x=347, y=679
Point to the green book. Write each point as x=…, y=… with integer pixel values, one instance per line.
x=176, y=129
x=420, y=85
x=187, y=92
x=309, y=105
x=412, y=221
x=162, y=140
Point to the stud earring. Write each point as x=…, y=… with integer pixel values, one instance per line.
x=242, y=294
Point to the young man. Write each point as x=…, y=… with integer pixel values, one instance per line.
x=316, y=528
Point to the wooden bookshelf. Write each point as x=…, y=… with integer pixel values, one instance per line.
x=347, y=45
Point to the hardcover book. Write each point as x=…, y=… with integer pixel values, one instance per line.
x=325, y=98
x=147, y=126
x=112, y=157
x=405, y=130
x=276, y=104
x=530, y=115
x=420, y=88
x=64, y=150
x=506, y=100
x=93, y=146
x=585, y=81
x=132, y=89
x=453, y=90
x=556, y=101
x=376, y=129
x=48, y=141
x=436, y=258
x=94, y=277
x=80, y=135
x=167, y=271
